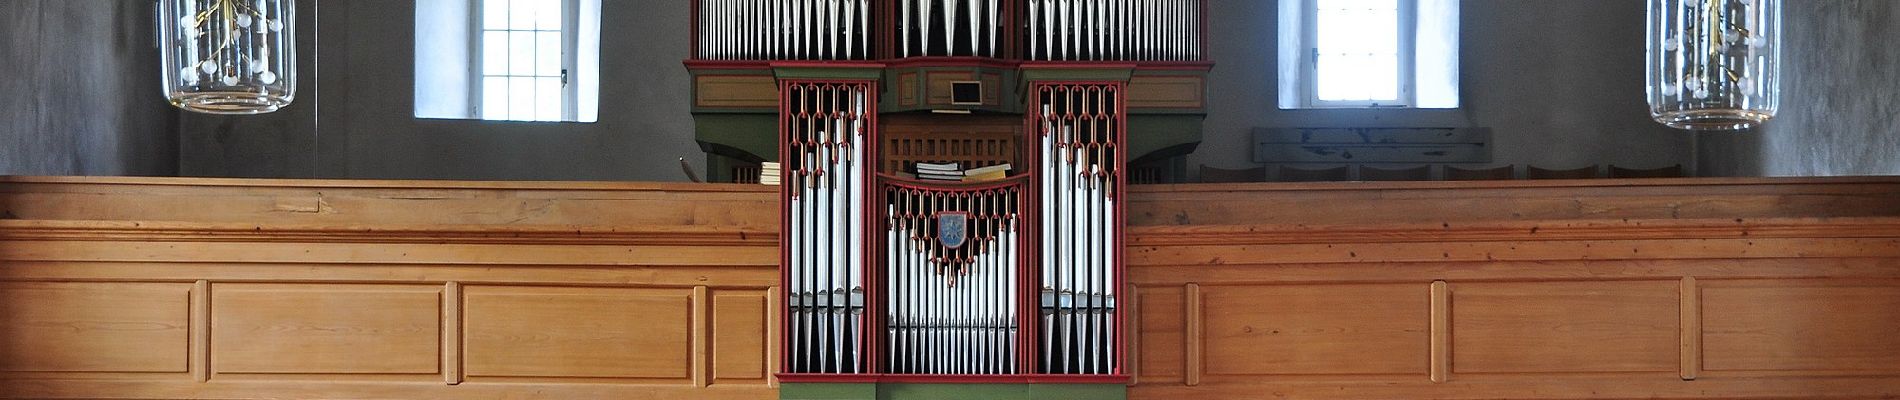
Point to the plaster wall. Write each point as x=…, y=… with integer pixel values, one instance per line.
x=1840, y=100
x=79, y=92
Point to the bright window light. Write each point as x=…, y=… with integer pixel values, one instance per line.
x=514, y=60
x=1368, y=53
x=525, y=62
x=1356, y=51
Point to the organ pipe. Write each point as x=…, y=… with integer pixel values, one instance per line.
x=1087, y=30
x=1055, y=30
x=785, y=29
x=1079, y=130
x=953, y=309
x=825, y=128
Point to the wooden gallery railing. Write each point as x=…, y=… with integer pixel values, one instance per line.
x=1683, y=288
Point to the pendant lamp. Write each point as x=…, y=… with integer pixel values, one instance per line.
x=1714, y=65
x=228, y=56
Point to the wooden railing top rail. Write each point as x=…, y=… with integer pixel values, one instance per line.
x=1893, y=181
x=571, y=209
x=6, y=180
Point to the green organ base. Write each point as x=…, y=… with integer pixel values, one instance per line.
x=952, y=391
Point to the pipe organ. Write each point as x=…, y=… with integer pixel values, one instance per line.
x=893, y=276
x=893, y=280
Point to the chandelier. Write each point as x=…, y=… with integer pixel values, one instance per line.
x=228, y=56
x=1714, y=64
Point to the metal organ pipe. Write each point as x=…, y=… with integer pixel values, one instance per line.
x=948, y=28
x=785, y=29
x=1155, y=30
x=825, y=131
x=1079, y=128
x=949, y=306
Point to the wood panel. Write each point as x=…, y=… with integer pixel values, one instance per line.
x=737, y=91
x=739, y=335
x=938, y=89
x=1317, y=329
x=1828, y=325
x=974, y=141
x=1544, y=327
x=568, y=332
x=411, y=206
x=1161, y=336
x=1166, y=91
x=94, y=327
x=325, y=329
x=586, y=290
x=907, y=89
x=1459, y=203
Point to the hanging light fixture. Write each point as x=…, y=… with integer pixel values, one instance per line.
x=228, y=56
x=1714, y=64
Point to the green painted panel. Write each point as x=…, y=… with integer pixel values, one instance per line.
x=756, y=134
x=1150, y=133
x=828, y=391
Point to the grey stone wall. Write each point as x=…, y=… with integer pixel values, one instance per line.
x=1560, y=82
x=366, y=127
x=79, y=91
x=1840, y=100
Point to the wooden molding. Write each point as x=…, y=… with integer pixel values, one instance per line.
x=1441, y=331
x=1691, y=328
x=201, y=331
x=452, y=333
x=1196, y=337
x=656, y=235
x=1520, y=231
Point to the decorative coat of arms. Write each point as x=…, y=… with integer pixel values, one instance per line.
x=952, y=228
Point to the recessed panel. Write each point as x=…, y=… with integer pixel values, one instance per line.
x=737, y=91
x=1165, y=92
x=325, y=329
x=94, y=327
x=1797, y=326
x=1159, y=323
x=1605, y=326
x=1317, y=329
x=561, y=332
x=739, y=334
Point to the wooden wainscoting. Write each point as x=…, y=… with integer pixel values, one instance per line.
x=1675, y=288
x=168, y=288
x=1690, y=289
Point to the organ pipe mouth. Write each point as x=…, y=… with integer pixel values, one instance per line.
x=1052, y=300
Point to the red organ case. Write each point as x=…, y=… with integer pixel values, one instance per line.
x=892, y=278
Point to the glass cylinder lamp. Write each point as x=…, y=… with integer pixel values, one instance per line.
x=1714, y=64
x=228, y=56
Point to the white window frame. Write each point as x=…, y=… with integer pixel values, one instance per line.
x=570, y=44
x=1407, y=59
